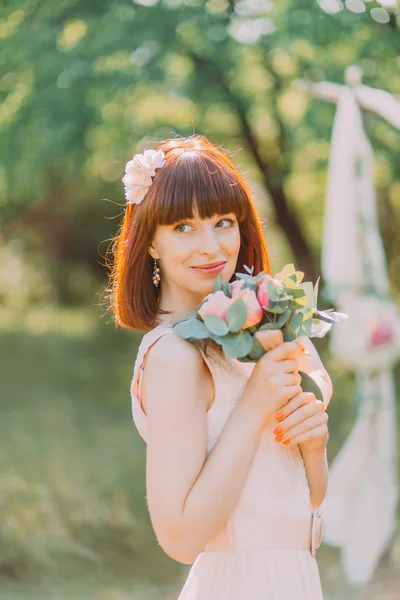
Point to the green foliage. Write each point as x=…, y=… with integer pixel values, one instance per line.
x=236, y=315
x=216, y=325
x=84, y=85
x=237, y=345
x=191, y=329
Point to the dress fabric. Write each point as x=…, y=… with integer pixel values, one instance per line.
x=276, y=488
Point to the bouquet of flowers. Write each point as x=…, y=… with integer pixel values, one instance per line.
x=234, y=312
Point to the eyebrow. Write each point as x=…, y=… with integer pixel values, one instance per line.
x=193, y=219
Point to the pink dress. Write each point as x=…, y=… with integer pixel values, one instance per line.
x=263, y=551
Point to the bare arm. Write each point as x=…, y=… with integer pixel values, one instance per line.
x=191, y=495
x=316, y=466
x=186, y=509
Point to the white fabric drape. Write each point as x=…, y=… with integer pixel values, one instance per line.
x=360, y=505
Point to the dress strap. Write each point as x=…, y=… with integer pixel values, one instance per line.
x=148, y=340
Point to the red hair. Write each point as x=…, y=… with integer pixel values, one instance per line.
x=195, y=171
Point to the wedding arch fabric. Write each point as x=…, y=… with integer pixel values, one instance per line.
x=359, y=509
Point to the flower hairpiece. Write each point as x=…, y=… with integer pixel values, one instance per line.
x=139, y=173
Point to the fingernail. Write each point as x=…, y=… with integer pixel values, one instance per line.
x=279, y=438
x=278, y=430
x=286, y=443
x=279, y=416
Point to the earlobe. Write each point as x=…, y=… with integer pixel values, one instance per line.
x=153, y=252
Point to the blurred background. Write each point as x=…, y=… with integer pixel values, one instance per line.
x=84, y=85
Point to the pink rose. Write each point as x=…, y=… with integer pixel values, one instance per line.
x=236, y=286
x=215, y=304
x=254, y=310
x=262, y=291
x=383, y=333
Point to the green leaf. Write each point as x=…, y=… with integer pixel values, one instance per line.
x=226, y=288
x=259, y=275
x=316, y=287
x=276, y=309
x=236, y=315
x=309, y=292
x=215, y=325
x=267, y=327
x=308, y=385
x=283, y=318
x=257, y=350
x=192, y=329
x=272, y=292
x=286, y=272
x=306, y=328
x=247, y=278
x=295, y=292
x=288, y=335
x=248, y=269
x=217, y=284
x=216, y=338
x=237, y=345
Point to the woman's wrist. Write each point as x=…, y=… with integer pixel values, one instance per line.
x=316, y=449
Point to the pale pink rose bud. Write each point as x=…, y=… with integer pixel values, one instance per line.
x=215, y=304
x=254, y=310
x=262, y=291
x=236, y=286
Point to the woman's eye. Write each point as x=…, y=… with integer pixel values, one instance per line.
x=231, y=221
x=177, y=228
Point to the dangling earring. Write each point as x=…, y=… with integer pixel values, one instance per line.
x=156, y=274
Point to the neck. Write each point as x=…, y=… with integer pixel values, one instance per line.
x=187, y=304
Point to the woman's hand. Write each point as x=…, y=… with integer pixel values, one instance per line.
x=303, y=421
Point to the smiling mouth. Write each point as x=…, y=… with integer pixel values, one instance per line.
x=210, y=268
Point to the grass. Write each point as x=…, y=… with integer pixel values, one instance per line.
x=74, y=518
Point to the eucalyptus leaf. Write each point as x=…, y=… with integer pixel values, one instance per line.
x=283, y=318
x=308, y=385
x=316, y=287
x=215, y=325
x=296, y=321
x=295, y=292
x=247, y=278
x=236, y=315
x=237, y=345
x=192, y=329
x=226, y=288
x=286, y=271
x=257, y=350
x=267, y=327
x=248, y=269
x=276, y=310
x=216, y=338
x=217, y=284
x=259, y=275
x=288, y=335
x=300, y=302
x=306, y=328
x=309, y=292
x=272, y=293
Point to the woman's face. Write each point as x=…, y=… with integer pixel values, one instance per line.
x=192, y=243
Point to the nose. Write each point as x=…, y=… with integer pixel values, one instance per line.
x=209, y=243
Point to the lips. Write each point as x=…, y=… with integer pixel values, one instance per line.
x=210, y=266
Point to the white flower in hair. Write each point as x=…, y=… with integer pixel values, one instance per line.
x=139, y=173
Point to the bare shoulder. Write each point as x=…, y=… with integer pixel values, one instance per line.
x=171, y=348
x=174, y=369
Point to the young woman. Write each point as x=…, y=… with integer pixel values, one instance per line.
x=236, y=452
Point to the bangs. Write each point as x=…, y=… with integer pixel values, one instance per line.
x=194, y=180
